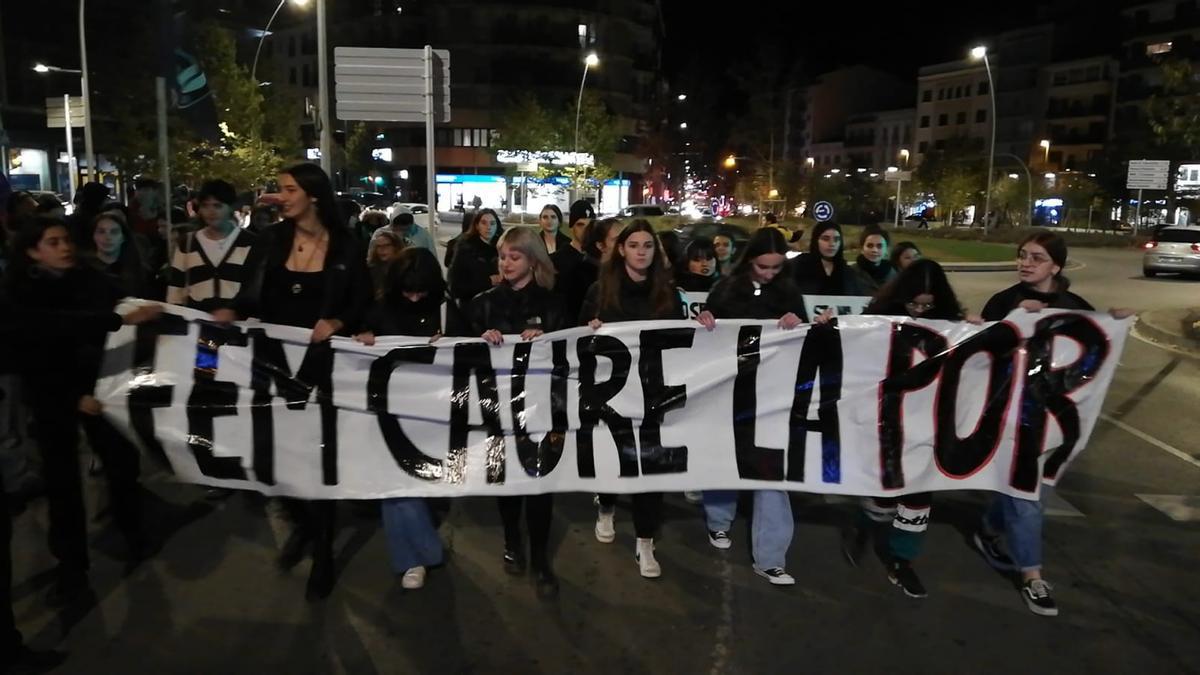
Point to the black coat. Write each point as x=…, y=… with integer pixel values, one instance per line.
x=733, y=298
x=575, y=275
x=56, y=327
x=348, y=289
x=694, y=282
x=470, y=273
x=809, y=275
x=512, y=311
x=1010, y=298
x=633, y=304
x=872, y=276
x=399, y=316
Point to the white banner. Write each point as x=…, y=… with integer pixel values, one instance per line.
x=842, y=305
x=867, y=406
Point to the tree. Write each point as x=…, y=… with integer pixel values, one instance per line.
x=955, y=176
x=529, y=127
x=1172, y=118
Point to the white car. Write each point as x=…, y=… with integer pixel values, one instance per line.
x=1173, y=249
x=419, y=211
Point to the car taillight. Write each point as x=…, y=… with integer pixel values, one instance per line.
x=1195, y=248
x=1150, y=244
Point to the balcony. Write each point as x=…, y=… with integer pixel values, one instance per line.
x=1076, y=109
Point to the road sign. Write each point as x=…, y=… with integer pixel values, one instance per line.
x=388, y=85
x=896, y=176
x=823, y=211
x=56, y=117
x=1148, y=174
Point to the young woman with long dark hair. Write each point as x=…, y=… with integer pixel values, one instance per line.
x=921, y=291
x=634, y=285
x=312, y=274
x=873, y=267
x=823, y=270
x=1010, y=536
x=524, y=304
x=696, y=270
x=115, y=252
x=408, y=302
x=473, y=269
x=65, y=310
x=757, y=288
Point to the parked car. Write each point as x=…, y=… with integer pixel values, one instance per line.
x=643, y=211
x=1173, y=249
x=368, y=200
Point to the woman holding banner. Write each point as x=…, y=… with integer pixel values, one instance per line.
x=873, y=268
x=634, y=285
x=921, y=291
x=409, y=302
x=1010, y=536
x=311, y=274
x=823, y=270
x=756, y=289
x=524, y=304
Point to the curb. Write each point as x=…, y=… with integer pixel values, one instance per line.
x=1165, y=336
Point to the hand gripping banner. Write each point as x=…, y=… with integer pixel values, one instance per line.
x=866, y=405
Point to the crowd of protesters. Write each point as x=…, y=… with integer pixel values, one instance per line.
x=295, y=259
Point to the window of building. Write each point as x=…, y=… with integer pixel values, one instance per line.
x=481, y=139
x=927, y=95
x=958, y=92
x=941, y=94
x=943, y=119
x=960, y=118
x=980, y=116
x=983, y=89
x=939, y=144
x=291, y=46
x=1158, y=48
x=1093, y=73
x=923, y=147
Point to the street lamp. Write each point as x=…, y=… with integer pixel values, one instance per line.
x=683, y=126
x=904, y=155
x=267, y=31
x=87, y=119
x=681, y=97
x=981, y=53
x=591, y=61
x=1045, y=145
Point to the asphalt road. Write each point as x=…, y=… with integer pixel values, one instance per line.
x=1123, y=570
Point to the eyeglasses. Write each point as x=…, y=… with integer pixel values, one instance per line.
x=918, y=307
x=1035, y=258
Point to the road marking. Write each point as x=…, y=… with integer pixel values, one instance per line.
x=1137, y=335
x=1171, y=450
x=1180, y=508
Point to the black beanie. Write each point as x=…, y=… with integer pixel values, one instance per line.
x=581, y=209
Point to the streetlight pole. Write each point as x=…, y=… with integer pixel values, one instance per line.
x=263, y=38
x=589, y=61
x=89, y=148
x=981, y=53
x=323, y=92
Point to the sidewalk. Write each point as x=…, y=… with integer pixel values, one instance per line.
x=1176, y=328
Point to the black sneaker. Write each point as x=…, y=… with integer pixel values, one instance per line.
x=719, y=539
x=901, y=573
x=514, y=562
x=854, y=544
x=1037, y=597
x=992, y=552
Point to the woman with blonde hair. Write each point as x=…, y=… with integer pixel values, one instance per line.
x=523, y=304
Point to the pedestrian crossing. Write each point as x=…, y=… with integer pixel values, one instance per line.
x=1180, y=508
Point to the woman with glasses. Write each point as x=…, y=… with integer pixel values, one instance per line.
x=1010, y=537
x=921, y=291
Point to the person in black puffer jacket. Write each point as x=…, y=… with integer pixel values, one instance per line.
x=634, y=285
x=696, y=269
x=823, y=270
x=63, y=311
x=873, y=267
x=524, y=304
x=473, y=269
x=758, y=288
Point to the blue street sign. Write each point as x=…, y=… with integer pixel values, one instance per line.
x=823, y=211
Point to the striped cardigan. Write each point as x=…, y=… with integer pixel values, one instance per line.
x=208, y=285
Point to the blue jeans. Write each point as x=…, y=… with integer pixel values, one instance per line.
x=412, y=540
x=1020, y=521
x=771, y=531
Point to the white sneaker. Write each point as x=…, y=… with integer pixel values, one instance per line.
x=644, y=554
x=694, y=497
x=413, y=579
x=776, y=575
x=606, y=531
x=719, y=539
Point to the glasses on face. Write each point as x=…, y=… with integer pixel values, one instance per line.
x=1035, y=258
x=918, y=307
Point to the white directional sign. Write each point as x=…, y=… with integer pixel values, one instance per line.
x=56, y=117
x=1148, y=174
x=896, y=176
x=388, y=85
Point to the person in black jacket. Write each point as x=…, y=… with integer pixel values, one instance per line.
x=473, y=270
x=550, y=223
x=921, y=291
x=1010, y=536
x=634, y=285
x=873, y=267
x=524, y=304
x=60, y=313
x=696, y=269
x=409, y=302
x=823, y=270
x=311, y=273
x=572, y=272
x=116, y=252
x=757, y=288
